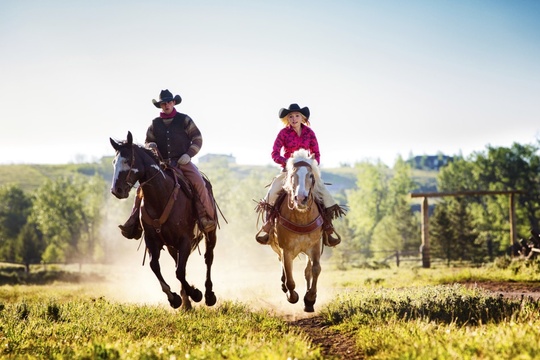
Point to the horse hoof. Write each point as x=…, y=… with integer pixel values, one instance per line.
x=176, y=301
x=308, y=304
x=293, y=297
x=196, y=295
x=210, y=299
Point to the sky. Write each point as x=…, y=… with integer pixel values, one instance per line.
x=382, y=79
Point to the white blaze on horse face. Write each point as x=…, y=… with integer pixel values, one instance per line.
x=120, y=164
x=302, y=191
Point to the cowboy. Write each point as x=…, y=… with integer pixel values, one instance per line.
x=176, y=138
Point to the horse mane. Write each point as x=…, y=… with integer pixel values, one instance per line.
x=144, y=149
x=304, y=155
x=149, y=152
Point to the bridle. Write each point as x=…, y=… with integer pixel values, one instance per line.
x=131, y=166
x=297, y=165
x=131, y=184
x=302, y=228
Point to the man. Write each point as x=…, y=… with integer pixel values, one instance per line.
x=177, y=139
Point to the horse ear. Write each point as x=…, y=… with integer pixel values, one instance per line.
x=129, y=138
x=114, y=144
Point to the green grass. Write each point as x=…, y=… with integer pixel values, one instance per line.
x=395, y=313
x=63, y=322
x=437, y=322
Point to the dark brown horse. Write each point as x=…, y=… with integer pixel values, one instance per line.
x=169, y=217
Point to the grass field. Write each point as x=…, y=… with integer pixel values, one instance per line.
x=118, y=312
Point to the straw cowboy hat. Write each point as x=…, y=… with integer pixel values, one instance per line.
x=294, y=108
x=166, y=96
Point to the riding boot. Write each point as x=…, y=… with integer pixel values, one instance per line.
x=132, y=229
x=328, y=239
x=263, y=236
x=206, y=222
x=328, y=229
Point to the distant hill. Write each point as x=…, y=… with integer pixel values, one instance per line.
x=31, y=176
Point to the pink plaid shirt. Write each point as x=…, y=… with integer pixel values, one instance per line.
x=289, y=141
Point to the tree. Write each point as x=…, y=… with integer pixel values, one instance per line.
x=67, y=212
x=15, y=206
x=380, y=216
x=483, y=220
x=399, y=229
x=516, y=168
x=368, y=204
x=29, y=245
x=441, y=234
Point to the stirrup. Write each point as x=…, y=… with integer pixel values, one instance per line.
x=263, y=238
x=331, y=241
x=131, y=231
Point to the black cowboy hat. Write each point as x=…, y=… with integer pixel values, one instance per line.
x=166, y=96
x=294, y=108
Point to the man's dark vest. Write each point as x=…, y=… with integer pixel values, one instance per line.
x=172, y=140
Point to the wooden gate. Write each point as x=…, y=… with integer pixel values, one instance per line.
x=424, y=249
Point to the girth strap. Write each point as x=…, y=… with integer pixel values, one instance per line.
x=301, y=229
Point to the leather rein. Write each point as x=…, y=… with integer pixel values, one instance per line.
x=301, y=228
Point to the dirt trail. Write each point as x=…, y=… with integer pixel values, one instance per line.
x=333, y=344
x=338, y=346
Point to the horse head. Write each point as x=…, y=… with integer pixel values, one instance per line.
x=129, y=165
x=302, y=179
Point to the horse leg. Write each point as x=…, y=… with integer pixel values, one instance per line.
x=174, y=300
x=209, y=296
x=283, y=285
x=185, y=301
x=292, y=296
x=313, y=269
x=308, y=275
x=181, y=262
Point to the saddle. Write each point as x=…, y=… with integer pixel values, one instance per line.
x=273, y=214
x=180, y=179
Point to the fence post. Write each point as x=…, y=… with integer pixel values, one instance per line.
x=425, y=234
x=513, y=234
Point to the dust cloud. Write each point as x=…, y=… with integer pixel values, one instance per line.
x=250, y=274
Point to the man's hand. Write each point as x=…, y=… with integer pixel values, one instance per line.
x=184, y=159
x=151, y=146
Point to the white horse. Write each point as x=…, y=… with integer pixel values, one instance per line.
x=298, y=228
